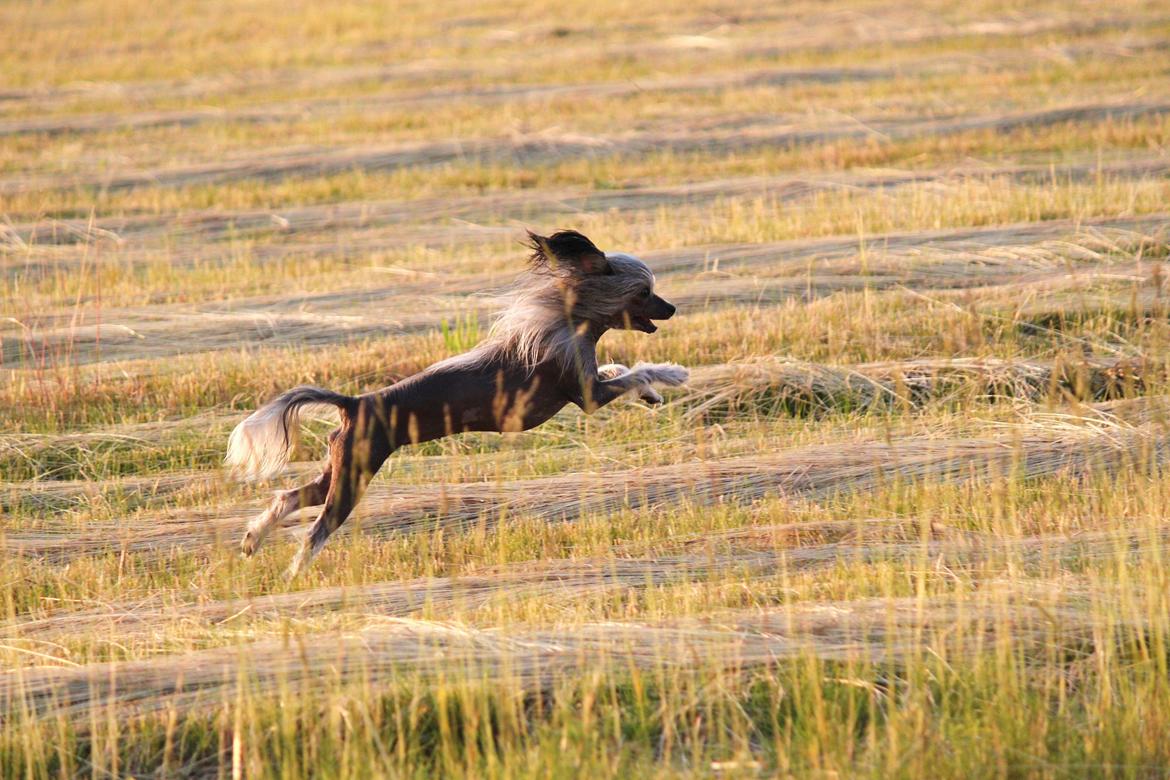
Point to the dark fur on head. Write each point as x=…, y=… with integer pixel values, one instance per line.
x=566, y=252
x=574, y=288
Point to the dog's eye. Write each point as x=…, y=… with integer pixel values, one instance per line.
x=644, y=292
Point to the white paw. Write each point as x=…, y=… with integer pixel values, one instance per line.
x=669, y=374
x=293, y=569
x=611, y=371
x=249, y=544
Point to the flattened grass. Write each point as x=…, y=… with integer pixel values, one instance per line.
x=908, y=519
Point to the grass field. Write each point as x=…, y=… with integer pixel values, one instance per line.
x=910, y=517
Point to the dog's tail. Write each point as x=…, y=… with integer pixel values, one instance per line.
x=260, y=445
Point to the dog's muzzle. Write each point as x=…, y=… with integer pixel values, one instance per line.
x=656, y=309
x=660, y=308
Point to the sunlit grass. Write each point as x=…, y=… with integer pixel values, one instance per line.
x=908, y=519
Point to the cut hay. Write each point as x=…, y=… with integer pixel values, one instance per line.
x=754, y=553
x=1105, y=437
x=546, y=149
x=773, y=385
x=887, y=631
x=988, y=259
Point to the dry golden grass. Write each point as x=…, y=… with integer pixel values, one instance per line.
x=908, y=519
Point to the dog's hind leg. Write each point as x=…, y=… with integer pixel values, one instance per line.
x=285, y=503
x=354, y=463
x=337, y=507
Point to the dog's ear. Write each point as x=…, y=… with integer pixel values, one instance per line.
x=567, y=251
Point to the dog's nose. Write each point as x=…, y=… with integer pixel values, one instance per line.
x=670, y=310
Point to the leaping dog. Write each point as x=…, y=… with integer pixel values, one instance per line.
x=540, y=355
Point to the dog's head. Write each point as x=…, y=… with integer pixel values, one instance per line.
x=613, y=290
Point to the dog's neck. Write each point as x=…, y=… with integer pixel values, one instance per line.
x=593, y=330
x=586, y=334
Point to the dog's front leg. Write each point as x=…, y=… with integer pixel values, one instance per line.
x=615, y=370
x=641, y=378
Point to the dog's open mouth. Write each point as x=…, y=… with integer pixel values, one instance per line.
x=644, y=324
